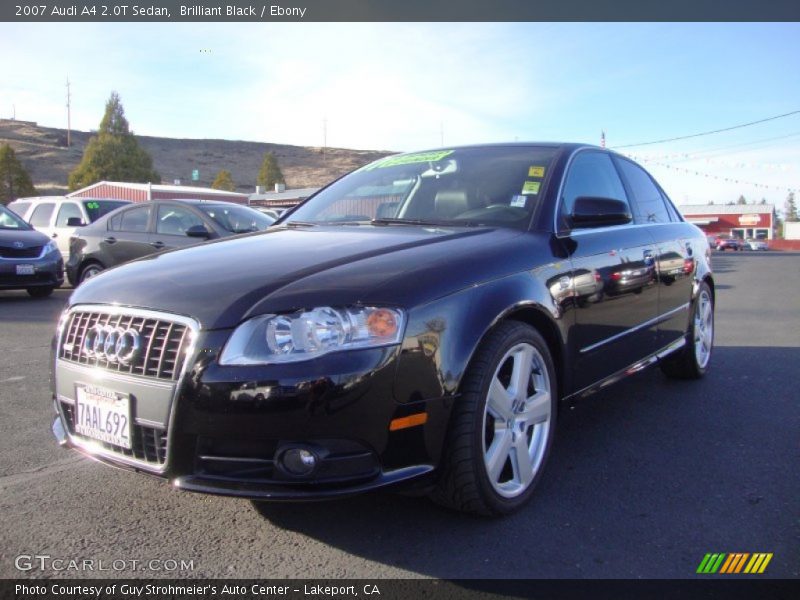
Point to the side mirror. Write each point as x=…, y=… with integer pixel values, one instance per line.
x=591, y=211
x=197, y=231
x=75, y=222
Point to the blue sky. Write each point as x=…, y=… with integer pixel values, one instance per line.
x=406, y=86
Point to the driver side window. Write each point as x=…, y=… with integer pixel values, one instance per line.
x=590, y=174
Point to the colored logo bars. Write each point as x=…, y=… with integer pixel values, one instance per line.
x=741, y=562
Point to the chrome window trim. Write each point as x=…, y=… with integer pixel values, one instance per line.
x=659, y=319
x=94, y=448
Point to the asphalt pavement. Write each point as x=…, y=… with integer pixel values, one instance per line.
x=645, y=478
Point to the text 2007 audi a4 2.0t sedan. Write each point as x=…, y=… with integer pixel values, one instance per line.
x=414, y=323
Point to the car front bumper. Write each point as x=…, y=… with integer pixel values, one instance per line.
x=48, y=271
x=224, y=430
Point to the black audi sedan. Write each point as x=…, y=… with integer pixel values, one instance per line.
x=417, y=323
x=141, y=229
x=29, y=260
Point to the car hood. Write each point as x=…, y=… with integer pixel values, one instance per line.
x=29, y=238
x=221, y=283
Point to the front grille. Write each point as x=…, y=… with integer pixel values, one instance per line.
x=163, y=344
x=32, y=252
x=148, y=444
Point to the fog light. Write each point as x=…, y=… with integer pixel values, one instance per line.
x=299, y=461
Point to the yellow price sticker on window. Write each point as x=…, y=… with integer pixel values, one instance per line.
x=536, y=172
x=531, y=187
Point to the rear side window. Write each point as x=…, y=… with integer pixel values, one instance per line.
x=133, y=220
x=591, y=174
x=648, y=205
x=67, y=211
x=41, y=215
x=19, y=207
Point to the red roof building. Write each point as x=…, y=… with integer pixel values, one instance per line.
x=142, y=192
x=737, y=220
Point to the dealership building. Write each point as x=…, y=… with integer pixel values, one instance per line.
x=737, y=220
x=142, y=192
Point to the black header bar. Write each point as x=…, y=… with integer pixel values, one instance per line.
x=272, y=11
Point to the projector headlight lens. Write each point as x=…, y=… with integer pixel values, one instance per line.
x=304, y=335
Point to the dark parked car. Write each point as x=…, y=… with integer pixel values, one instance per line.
x=415, y=323
x=730, y=244
x=29, y=260
x=142, y=229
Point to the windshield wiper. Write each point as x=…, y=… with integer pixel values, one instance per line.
x=441, y=223
x=297, y=224
x=399, y=221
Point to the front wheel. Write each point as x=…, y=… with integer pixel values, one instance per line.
x=40, y=292
x=502, y=425
x=691, y=362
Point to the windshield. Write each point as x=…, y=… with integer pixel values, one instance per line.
x=98, y=208
x=492, y=185
x=237, y=219
x=10, y=220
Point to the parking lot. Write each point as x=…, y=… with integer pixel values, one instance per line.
x=644, y=480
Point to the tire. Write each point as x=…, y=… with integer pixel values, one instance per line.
x=481, y=471
x=88, y=271
x=40, y=292
x=692, y=361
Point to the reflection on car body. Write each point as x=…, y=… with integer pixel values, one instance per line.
x=415, y=323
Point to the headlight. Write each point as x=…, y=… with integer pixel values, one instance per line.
x=50, y=247
x=304, y=335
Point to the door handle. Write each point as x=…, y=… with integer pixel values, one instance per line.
x=55, y=235
x=158, y=245
x=110, y=240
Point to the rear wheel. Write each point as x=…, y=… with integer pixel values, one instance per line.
x=89, y=271
x=40, y=292
x=502, y=425
x=691, y=362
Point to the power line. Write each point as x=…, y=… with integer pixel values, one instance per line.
x=694, y=135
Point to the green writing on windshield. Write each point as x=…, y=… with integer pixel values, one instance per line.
x=409, y=159
x=92, y=205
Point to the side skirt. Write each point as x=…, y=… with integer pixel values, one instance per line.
x=630, y=370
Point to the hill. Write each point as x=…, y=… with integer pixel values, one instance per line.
x=44, y=153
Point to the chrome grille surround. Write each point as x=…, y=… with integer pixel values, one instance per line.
x=154, y=439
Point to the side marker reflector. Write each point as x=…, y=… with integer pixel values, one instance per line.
x=409, y=421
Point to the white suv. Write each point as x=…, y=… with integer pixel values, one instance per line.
x=58, y=216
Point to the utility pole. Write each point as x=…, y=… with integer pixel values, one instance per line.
x=69, y=118
x=13, y=112
x=324, y=135
x=441, y=133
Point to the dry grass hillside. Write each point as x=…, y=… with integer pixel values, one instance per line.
x=44, y=153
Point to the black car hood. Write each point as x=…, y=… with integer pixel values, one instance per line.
x=28, y=237
x=223, y=282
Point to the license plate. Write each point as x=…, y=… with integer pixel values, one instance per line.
x=103, y=414
x=25, y=270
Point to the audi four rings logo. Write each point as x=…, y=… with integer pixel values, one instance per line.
x=113, y=344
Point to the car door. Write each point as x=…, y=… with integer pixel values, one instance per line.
x=172, y=222
x=61, y=231
x=675, y=247
x=612, y=278
x=128, y=236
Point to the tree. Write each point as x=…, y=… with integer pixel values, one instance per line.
x=113, y=154
x=790, y=208
x=224, y=181
x=270, y=173
x=741, y=200
x=15, y=182
x=763, y=201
